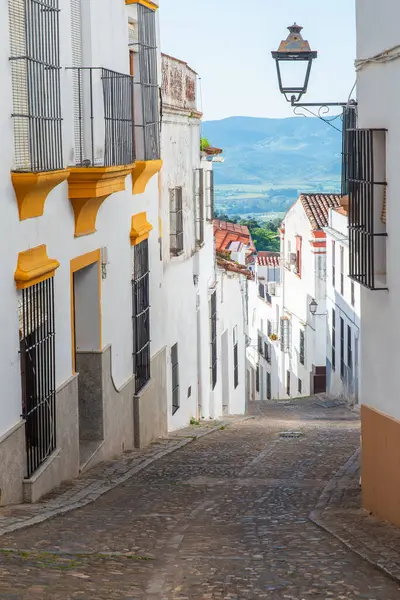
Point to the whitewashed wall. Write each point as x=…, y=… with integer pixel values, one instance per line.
x=56, y=227
x=297, y=294
x=378, y=88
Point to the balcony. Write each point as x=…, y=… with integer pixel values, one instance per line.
x=35, y=72
x=104, y=148
x=146, y=99
x=367, y=196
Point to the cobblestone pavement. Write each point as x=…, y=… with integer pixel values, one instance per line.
x=225, y=517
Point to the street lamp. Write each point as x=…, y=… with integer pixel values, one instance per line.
x=313, y=306
x=295, y=56
x=297, y=51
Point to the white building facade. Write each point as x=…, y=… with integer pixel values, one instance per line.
x=263, y=352
x=302, y=335
x=374, y=263
x=343, y=311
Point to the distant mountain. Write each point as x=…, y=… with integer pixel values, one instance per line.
x=293, y=152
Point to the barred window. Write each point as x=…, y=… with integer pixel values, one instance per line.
x=269, y=395
x=175, y=378
x=259, y=344
x=210, y=195
x=35, y=70
x=333, y=263
x=199, y=205
x=213, y=336
x=333, y=339
x=299, y=386
x=147, y=111
x=141, y=315
x=349, y=349
x=235, y=358
x=257, y=378
x=302, y=344
x=261, y=290
x=342, y=363
x=269, y=328
x=288, y=383
x=37, y=351
x=176, y=221
x=267, y=352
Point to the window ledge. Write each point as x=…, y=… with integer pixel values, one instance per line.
x=32, y=189
x=34, y=266
x=142, y=172
x=88, y=187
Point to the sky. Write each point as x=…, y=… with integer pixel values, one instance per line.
x=229, y=43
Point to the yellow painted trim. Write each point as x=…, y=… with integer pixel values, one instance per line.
x=87, y=190
x=147, y=3
x=34, y=266
x=32, y=189
x=142, y=172
x=76, y=264
x=140, y=228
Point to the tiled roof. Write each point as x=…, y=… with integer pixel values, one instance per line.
x=233, y=267
x=226, y=232
x=268, y=259
x=316, y=207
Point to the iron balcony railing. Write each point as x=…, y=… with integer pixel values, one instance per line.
x=367, y=211
x=147, y=91
x=349, y=123
x=103, y=117
x=141, y=315
x=35, y=72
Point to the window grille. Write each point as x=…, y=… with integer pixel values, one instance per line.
x=302, y=344
x=259, y=344
x=141, y=315
x=210, y=195
x=299, y=386
x=269, y=328
x=342, y=270
x=285, y=334
x=213, y=336
x=333, y=339
x=349, y=123
x=257, y=378
x=367, y=183
x=349, y=350
x=176, y=221
x=333, y=263
x=35, y=71
x=37, y=349
x=288, y=383
x=269, y=395
x=261, y=290
x=235, y=358
x=103, y=117
x=147, y=110
x=267, y=352
x=342, y=363
x=199, y=205
x=175, y=378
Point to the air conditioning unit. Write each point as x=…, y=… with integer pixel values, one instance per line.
x=272, y=288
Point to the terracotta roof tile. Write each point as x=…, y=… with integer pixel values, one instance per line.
x=233, y=267
x=268, y=259
x=226, y=232
x=316, y=207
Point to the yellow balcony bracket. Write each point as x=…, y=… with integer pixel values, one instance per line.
x=143, y=171
x=148, y=3
x=140, y=228
x=32, y=189
x=34, y=266
x=87, y=190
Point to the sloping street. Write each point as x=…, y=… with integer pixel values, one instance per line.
x=225, y=517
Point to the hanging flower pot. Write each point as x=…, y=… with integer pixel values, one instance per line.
x=273, y=337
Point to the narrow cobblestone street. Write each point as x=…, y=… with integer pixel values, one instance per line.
x=225, y=517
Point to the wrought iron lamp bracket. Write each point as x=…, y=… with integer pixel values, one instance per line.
x=322, y=110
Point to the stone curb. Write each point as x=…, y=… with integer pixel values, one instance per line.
x=96, y=488
x=371, y=555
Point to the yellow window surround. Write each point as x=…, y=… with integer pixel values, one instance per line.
x=88, y=187
x=34, y=266
x=147, y=3
x=140, y=228
x=32, y=189
x=142, y=172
